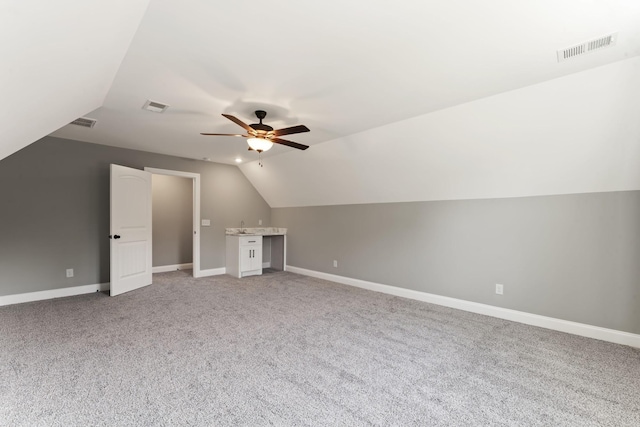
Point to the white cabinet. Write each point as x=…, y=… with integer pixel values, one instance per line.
x=244, y=255
x=250, y=258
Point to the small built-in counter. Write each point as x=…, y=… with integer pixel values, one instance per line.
x=250, y=250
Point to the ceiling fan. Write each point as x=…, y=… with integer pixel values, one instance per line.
x=261, y=137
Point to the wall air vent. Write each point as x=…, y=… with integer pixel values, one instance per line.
x=156, y=107
x=587, y=47
x=84, y=122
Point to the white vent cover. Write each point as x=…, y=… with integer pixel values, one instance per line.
x=587, y=47
x=156, y=107
x=84, y=122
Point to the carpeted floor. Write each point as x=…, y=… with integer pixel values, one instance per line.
x=284, y=349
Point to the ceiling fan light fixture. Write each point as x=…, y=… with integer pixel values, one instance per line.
x=261, y=137
x=259, y=144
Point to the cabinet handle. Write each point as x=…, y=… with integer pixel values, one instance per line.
x=252, y=241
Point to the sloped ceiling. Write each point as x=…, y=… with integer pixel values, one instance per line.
x=425, y=81
x=338, y=67
x=59, y=59
x=575, y=134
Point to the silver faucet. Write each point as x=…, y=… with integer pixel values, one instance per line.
x=241, y=225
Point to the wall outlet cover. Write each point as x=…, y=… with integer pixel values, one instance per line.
x=335, y=263
x=206, y=222
x=499, y=289
x=69, y=272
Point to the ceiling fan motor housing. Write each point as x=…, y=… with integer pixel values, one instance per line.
x=261, y=114
x=260, y=126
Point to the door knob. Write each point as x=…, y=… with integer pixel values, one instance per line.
x=114, y=237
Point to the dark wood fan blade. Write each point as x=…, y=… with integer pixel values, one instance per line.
x=290, y=143
x=291, y=130
x=225, y=134
x=239, y=122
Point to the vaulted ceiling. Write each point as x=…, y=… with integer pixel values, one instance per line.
x=414, y=100
x=59, y=59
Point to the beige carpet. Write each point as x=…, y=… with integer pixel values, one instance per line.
x=284, y=349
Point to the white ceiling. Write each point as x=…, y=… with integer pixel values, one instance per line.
x=59, y=59
x=575, y=134
x=406, y=101
x=338, y=67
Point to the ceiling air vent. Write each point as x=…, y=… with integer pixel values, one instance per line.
x=587, y=47
x=156, y=107
x=84, y=122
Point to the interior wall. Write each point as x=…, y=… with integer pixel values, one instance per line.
x=572, y=257
x=266, y=250
x=54, y=211
x=172, y=220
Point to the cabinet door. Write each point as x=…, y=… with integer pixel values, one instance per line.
x=256, y=257
x=246, y=260
x=250, y=258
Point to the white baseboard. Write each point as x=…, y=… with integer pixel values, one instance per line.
x=212, y=272
x=589, y=331
x=53, y=293
x=266, y=264
x=174, y=267
x=86, y=289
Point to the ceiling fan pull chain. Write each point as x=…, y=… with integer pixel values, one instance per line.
x=260, y=158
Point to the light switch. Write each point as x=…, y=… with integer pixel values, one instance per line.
x=206, y=222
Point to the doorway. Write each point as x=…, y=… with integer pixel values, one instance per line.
x=195, y=223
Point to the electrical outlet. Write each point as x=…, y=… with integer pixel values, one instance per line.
x=69, y=272
x=335, y=263
x=499, y=289
x=259, y=222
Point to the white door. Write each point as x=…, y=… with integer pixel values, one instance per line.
x=130, y=229
x=245, y=258
x=256, y=261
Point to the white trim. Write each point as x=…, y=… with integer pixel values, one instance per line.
x=52, y=293
x=589, y=331
x=266, y=264
x=196, y=211
x=174, y=267
x=213, y=272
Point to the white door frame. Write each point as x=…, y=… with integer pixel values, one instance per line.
x=196, y=211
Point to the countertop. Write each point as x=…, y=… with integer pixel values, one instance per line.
x=262, y=231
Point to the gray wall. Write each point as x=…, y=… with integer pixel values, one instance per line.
x=172, y=220
x=573, y=257
x=54, y=211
